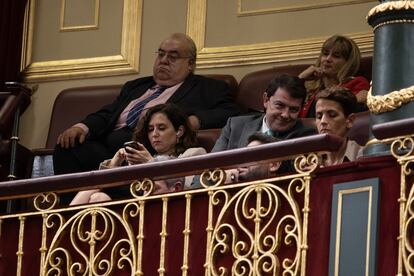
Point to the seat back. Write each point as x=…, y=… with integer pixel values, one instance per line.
x=359, y=131
x=253, y=85
x=73, y=104
x=230, y=80
x=206, y=138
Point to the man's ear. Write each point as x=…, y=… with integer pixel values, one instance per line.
x=191, y=65
x=265, y=100
x=274, y=166
x=178, y=186
x=350, y=120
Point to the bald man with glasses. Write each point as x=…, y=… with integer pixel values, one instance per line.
x=206, y=101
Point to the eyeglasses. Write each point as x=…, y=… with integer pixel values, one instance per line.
x=171, y=57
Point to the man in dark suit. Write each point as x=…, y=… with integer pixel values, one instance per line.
x=282, y=100
x=206, y=101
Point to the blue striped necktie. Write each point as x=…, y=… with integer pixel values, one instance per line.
x=136, y=110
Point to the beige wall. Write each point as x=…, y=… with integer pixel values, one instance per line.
x=230, y=41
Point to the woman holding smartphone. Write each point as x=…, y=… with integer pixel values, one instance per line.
x=163, y=130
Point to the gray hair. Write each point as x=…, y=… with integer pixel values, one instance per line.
x=191, y=46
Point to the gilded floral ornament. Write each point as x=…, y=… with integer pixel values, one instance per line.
x=391, y=101
x=391, y=6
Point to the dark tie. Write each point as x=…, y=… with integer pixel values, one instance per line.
x=136, y=110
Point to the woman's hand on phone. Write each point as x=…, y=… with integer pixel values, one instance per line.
x=118, y=159
x=137, y=156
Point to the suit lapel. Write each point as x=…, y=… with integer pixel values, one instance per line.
x=135, y=92
x=250, y=128
x=139, y=90
x=185, y=88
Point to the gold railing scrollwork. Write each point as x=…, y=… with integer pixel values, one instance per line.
x=43, y=202
x=212, y=178
x=256, y=224
x=99, y=230
x=142, y=188
x=402, y=149
x=50, y=222
x=408, y=224
x=306, y=163
x=252, y=228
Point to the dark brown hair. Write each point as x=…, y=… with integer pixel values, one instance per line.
x=343, y=96
x=292, y=84
x=262, y=138
x=177, y=118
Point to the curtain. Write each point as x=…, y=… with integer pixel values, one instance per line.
x=11, y=30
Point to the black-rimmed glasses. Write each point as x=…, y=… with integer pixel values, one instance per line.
x=171, y=57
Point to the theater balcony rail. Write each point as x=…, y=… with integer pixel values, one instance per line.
x=399, y=134
x=258, y=227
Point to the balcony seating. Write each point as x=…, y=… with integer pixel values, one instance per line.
x=73, y=104
x=89, y=99
x=247, y=94
x=252, y=86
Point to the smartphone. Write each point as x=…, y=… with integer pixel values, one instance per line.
x=132, y=144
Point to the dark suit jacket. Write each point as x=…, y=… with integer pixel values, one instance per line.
x=207, y=98
x=238, y=129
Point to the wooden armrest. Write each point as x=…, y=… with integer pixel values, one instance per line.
x=43, y=151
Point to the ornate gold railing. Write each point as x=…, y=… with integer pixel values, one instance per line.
x=399, y=135
x=250, y=228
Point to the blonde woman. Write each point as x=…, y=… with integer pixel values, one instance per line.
x=336, y=66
